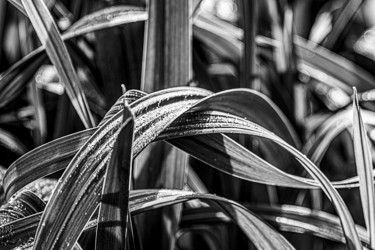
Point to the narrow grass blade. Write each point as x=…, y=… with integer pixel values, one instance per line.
x=18, y=4
x=363, y=162
x=167, y=64
x=113, y=227
x=249, y=22
x=286, y=218
x=49, y=36
x=342, y=21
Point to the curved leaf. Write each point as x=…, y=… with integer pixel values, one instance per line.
x=141, y=201
x=87, y=166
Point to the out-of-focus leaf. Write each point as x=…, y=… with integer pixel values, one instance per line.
x=14, y=80
x=363, y=162
x=113, y=227
x=49, y=36
x=341, y=22
x=317, y=60
x=12, y=143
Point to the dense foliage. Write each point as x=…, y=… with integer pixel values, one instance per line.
x=213, y=124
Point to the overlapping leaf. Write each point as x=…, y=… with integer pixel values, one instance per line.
x=145, y=200
x=113, y=227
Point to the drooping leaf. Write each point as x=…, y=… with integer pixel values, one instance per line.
x=113, y=226
x=364, y=166
x=105, y=18
x=49, y=36
x=285, y=217
x=141, y=201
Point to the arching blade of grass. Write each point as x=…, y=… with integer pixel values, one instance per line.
x=55, y=155
x=112, y=230
x=198, y=122
x=141, y=201
x=213, y=122
x=363, y=162
x=318, y=144
x=286, y=218
x=106, y=18
x=49, y=36
x=90, y=161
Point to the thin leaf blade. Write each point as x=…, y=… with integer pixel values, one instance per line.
x=112, y=230
x=49, y=36
x=363, y=162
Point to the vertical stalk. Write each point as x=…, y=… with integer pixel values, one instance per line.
x=167, y=50
x=249, y=22
x=167, y=62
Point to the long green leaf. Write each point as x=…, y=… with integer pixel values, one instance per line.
x=49, y=36
x=363, y=162
x=112, y=230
